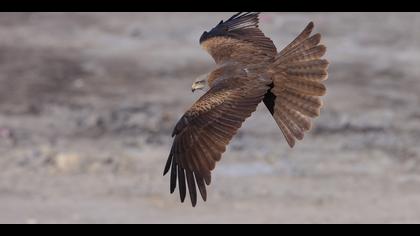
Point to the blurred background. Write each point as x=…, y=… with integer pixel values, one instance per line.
x=88, y=102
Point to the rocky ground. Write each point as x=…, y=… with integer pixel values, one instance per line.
x=88, y=102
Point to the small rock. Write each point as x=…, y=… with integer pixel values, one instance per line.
x=67, y=162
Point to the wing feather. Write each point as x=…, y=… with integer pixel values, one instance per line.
x=191, y=186
x=173, y=174
x=181, y=182
x=201, y=186
x=202, y=134
x=238, y=39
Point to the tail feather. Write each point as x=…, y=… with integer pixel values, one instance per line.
x=289, y=122
x=304, y=46
x=301, y=120
x=297, y=74
x=284, y=129
x=315, y=74
x=308, y=55
x=307, y=105
x=306, y=87
x=320, y=64
x=302, y=36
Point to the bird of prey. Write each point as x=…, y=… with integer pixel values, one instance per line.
x=249, y=70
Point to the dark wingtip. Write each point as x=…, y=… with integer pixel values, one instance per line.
x=194, y=201
x=167, y=166
x=168, y=162
x=310, y=26
x=207, y=179
x=173, y=176
x=291, y=145
x=234, y=16
x=181, y=181
x=224, y=26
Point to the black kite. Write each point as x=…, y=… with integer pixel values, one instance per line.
x=249, y=70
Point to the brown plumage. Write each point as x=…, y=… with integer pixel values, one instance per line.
x=249, y=70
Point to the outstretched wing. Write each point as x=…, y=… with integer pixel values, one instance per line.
x=238, y=39
x=297, y=73
x=204, y=131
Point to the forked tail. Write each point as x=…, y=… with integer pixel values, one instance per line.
x=297, y=74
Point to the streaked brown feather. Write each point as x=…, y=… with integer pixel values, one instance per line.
x=205, y=153
x=284, y=129
x=309, y=55
x=297, y=73
x=307, y=74
x=307, y=105
x=303, y=46
x=218, y=141
x=320, y=64
x=288, y=121
x=308, y=87
x=300, y=119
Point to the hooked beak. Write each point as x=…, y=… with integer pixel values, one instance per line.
x=197, y=86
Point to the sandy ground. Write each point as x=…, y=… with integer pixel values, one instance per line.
x=88, y=102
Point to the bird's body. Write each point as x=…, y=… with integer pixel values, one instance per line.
x=249, y=71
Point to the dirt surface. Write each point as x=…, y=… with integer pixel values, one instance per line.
x=88, y=102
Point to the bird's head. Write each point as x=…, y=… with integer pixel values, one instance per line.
x=200, y=83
